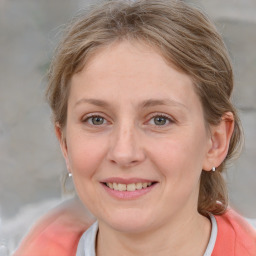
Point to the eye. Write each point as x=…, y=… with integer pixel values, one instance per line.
x=160, y=120
x=95, y=120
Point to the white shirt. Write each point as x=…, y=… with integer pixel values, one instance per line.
x=86, y=245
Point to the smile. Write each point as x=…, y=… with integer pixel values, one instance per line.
x=128, y=187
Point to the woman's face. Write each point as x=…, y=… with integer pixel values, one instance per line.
x=135, y=138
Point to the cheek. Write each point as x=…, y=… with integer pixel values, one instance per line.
x=179, y=163
x=179, y=156
x=85, y=154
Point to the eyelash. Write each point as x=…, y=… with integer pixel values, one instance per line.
x=90, y=117
x=168, y=118
x=152, y=116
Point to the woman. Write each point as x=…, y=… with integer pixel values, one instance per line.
x=140, y=93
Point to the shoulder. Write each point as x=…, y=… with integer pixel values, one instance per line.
x=58, y=232
x=235, y=235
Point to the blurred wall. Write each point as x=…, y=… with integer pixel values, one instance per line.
x=30, y=160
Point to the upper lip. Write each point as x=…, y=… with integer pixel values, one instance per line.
x=126, y=181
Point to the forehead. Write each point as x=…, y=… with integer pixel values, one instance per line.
x=132, y=69
x=138, y=51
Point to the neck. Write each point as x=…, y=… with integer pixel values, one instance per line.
x=176, y=238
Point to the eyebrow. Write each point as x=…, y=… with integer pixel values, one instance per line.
x=144, y=104
x=96, y=102
x=161, y=102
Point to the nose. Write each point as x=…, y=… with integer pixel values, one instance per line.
x=125, y=147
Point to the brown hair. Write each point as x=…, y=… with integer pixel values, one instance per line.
x=184, y=36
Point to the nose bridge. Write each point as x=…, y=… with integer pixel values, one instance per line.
x=125, y=148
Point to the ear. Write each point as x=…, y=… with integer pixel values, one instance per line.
x=60, y=134
x=220, y=138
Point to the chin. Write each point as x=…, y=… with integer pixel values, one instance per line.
x=130, y=222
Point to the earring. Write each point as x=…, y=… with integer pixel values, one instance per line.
x=67, y=184
x=213, y=169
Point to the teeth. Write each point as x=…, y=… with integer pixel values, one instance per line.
x=144, y=185
x=115, y=186
x=110, y=185
x=138, y=185
x=131, y=187
x=121, y=187
x=128, y=187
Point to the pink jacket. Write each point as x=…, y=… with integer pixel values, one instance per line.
x=235, y=236
x=58, y=234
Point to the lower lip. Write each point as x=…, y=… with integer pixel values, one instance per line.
x=128, y=194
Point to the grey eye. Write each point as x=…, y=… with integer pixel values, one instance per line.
x=160, y=120
x=97, y=120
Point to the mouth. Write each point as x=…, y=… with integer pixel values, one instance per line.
x=129, y=187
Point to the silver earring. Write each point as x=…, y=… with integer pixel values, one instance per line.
x=69, y=174
x=213, y=169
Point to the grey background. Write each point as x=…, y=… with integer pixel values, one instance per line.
x=30, y=160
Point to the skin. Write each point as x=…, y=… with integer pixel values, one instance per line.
x=128, y=85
